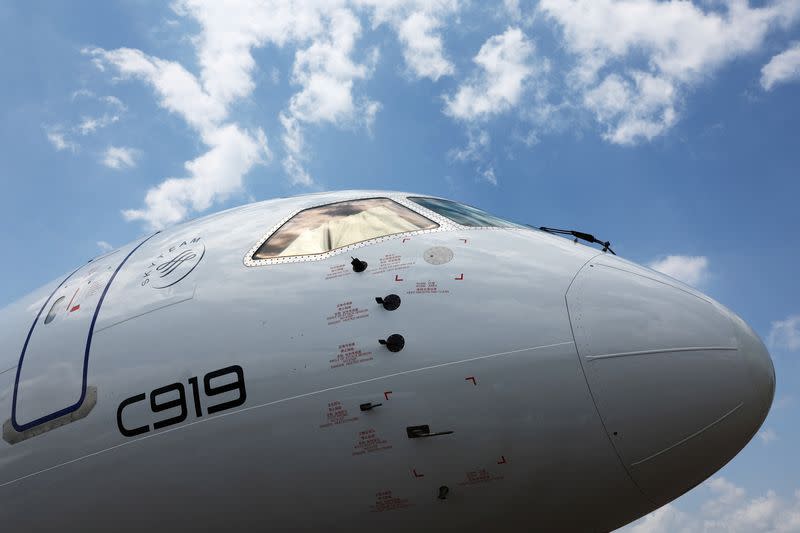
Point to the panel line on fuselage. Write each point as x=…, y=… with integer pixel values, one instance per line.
x=75, y=406
x=663, y=350
x=282, y=400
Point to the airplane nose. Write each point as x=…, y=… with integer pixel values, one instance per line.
x=758, y=363
x=680, y=383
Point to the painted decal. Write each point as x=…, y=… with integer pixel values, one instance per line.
x=349, y=355
x=368, y=442
x=392, y=263
x=427, y=287
x=338, y=271
x=345, y=312
x=177, y=393
x=385, y=501
x=174, y=263
x=337, y=414
x=478, y=477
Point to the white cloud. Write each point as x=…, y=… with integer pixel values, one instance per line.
x=728, y=510
x=667, y=519
x=782, y=68
x=423, y=51
x=82, y=93
x=118, y=157
x=178, y=89
x=689, y=269
x=115, y=102
x=212, y=177
x=232, y=151
x=504, y=62
x=489, y=175
x=418, y=24
x=324, y=34
x=294, y=143
x=326, y=73
x=59, y=140
x=477, y=145
x=767, y=435
x=104, y=246
x=634, y=108
x=785, y=334
x=91, y=124
x=636, y=58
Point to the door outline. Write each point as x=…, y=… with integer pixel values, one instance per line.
x=74, y=407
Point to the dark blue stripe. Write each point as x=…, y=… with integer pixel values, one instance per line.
x=75, y=406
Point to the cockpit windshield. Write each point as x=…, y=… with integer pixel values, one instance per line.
x=465, y=215
x=322, y=229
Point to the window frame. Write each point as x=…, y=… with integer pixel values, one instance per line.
x=443, y=224
x=511, y=225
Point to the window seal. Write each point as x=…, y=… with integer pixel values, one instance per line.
x=443, y=224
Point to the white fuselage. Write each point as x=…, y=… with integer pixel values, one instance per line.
x=181, y=386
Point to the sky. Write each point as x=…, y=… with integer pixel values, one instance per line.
x=670, y=128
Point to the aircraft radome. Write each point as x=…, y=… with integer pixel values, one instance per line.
x=366, y=361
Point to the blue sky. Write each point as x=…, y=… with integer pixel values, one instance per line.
x=670, y=128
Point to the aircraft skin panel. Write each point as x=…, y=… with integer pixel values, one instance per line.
x=51, y=373
x=693, y=391
x=329, y=471
x=253, y=397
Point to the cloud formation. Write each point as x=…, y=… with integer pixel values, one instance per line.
x=213, y=176
x=785, y=334
x=325, y=71
x=728, y=510
x=691, y=270
x=59, y=140
x=782, y=68
x=504, y=65
x=629, y=65
x=119, y=157
x=636, y=59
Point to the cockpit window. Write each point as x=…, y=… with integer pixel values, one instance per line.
x=465, y=215
x=322, y=229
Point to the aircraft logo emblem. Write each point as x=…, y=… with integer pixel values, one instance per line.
x=174, y=264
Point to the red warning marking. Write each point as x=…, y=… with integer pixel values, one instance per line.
x=69, y=305
x=337, y=414
x=349, y=354
x=465, y=240
x=386, y=394
x=385, y=501
x=346, y=312
x=471, y=378
x=369, y=441
x=398, y=278
x=459, y=277
x=502, y=460
x=480, y=476
x=427, y=287
x=406, y=239
x=416, y=474
x=338, y=271
x=75, y=308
